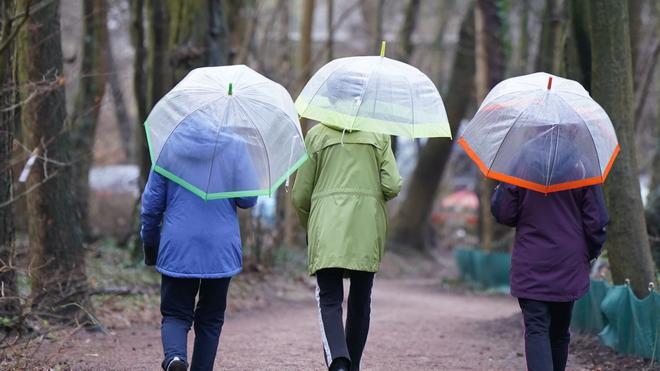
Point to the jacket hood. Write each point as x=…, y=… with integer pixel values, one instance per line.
x=337, y=127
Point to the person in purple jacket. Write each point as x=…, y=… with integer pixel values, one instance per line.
x=557, y=235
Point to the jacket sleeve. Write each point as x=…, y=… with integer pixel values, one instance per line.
x=504, y=204
x=594, y=219
x=303, y=187
x=154, y=203
x=390, y=180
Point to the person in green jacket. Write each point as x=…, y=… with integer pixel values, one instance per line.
x=339, y=195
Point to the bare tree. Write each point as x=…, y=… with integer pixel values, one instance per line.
x=292, y=230
x=9, y=304
x=141, y=152
x=58, y=278
x=549, y=56
x=411, y=220
x=612, y=87
x=87, y=104
x=329, y=43
x=406, y=45
x=577, y=48
x=489, y=71
x=218, y=47
x=124, y=123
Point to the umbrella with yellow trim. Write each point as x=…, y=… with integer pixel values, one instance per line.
x=375, y=94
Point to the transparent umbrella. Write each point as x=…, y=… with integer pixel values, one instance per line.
x=543, y=133
x=376, y=94
x=226, y=132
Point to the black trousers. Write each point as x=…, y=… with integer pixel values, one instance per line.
x=330, y=295
x=177, y=306
x=547, y=334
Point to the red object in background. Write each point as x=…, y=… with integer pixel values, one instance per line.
x=462, y=199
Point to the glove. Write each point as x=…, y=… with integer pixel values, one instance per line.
x=150, y=254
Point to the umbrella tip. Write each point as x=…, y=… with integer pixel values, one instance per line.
x=549, y=82
x=382, y=48
x=231, y=89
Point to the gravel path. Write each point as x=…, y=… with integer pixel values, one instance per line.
x=414, y=326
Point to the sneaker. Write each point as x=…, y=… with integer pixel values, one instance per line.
x=177, y=364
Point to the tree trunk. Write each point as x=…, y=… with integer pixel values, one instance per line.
x=293, y=230
x=577, y=49
x=411, y=219
x=655, y=177
x=549, y=56
x=612, y=87
x=523, y=39
x=489, y=65
x=329, y=43
x=124, y=124
x=9, y=303
x=378, y=25
x=87, y=105
x=141, y=152
x=636, y=35
x=218, y=45
x=407, y=29
x=406, y=46
x=59, y=282
x=305, y=56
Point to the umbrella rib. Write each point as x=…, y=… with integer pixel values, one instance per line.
x=323, y=83
x=550, y=170
x=263, y=143
x=215, y=146
x=412, y=106
x=591, y=135
x=275, y=107
x=469, y=129
x=380, y=62
x=181, y=122
x=503, y=140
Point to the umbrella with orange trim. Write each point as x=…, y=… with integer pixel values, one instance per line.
x=543, y=133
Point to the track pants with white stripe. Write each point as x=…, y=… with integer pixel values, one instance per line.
x=330, y=295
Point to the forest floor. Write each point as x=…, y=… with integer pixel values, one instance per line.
x=418, y=323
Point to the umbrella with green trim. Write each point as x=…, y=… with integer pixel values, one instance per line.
x=226, y=132
x=375, y=94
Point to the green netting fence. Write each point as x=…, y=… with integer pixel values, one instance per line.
x=587, y=316
x=483, y=269
x=633, y=325
x=624, y=322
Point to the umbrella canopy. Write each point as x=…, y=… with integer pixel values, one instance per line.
x=375, y=94
x=226, y=132
x=543, y=133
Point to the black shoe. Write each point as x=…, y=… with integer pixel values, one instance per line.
x=177, y=364
x=340, y=364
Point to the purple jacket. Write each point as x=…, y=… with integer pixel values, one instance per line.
x=556, y=236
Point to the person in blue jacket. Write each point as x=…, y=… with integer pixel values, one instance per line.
x=196, y=246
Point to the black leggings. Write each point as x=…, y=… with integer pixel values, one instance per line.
x=547, y=334
x=330, y=295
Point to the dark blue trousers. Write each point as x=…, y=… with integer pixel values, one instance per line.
x=547, y=334
x=177, y=306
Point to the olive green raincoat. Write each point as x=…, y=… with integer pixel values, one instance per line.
x=340, y=195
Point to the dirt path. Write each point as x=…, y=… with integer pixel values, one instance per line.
x=414, y=326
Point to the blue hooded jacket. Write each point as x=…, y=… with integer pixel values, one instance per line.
x=198, y=238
